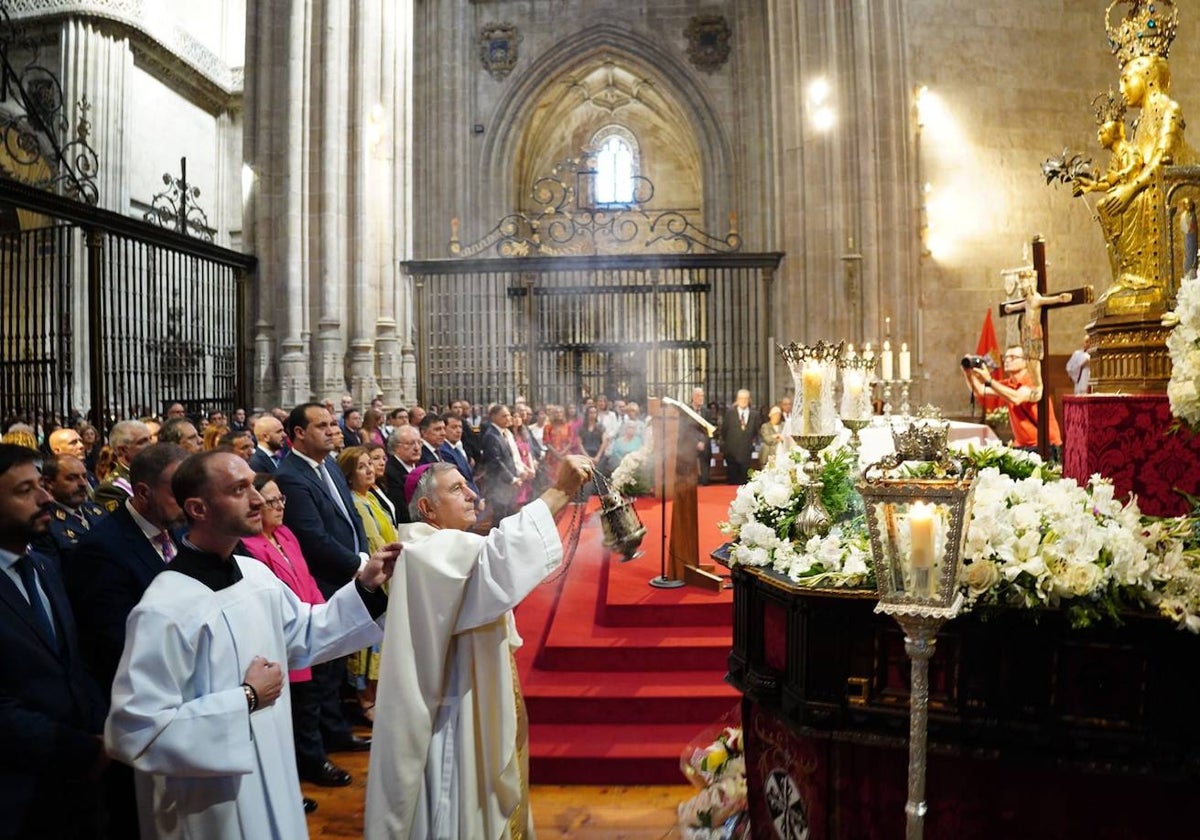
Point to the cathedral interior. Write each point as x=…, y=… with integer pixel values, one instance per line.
x=539, y=198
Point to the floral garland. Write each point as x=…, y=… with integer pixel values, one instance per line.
x=1184, y=346
x=1033, y=540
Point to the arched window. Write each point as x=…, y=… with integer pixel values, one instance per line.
x=616, y=165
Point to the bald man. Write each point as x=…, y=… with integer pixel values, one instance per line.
x=270, y=450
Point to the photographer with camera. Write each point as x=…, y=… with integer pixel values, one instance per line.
x=1017, y=389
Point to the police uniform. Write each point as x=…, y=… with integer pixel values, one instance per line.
x=68, y=527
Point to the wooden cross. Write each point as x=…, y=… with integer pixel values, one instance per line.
x=1034, y=330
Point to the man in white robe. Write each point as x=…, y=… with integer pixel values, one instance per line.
x=449, y=759
x=198, y=705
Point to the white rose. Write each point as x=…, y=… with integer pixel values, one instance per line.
x=980, y=576
x=778, y=495
x=1080, y=578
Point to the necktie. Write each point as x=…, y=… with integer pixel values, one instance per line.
x=742, y=415
x=166, y=545
x=337, y=497
x=25, y=569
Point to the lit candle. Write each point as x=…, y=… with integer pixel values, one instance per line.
x=868, y=353
x=885, y=362
x=810, y=389
x=849, y=351
x=905, y=363
x=920, y=534
x=852, y=385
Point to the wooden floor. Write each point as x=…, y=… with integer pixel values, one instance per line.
x=559, y=811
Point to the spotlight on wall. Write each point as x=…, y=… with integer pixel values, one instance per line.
x=248, y=179
x=819, y=105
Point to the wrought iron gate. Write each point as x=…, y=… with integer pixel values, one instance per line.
x=557, y=329
x=100, y=310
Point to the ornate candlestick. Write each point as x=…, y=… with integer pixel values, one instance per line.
x=917, y=528
x=813, y=519
x=904, y=406
x=856, y=409
x=887, y=397
x=813, y=424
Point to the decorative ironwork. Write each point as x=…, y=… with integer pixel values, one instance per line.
x=171, y=209
x=498, y=44
x=34, y=129
x=570, y=223
x=708, y=41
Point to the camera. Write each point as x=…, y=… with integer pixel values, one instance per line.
x=972, y=361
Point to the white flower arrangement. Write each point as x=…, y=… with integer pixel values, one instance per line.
x=1033, y=540
x=760, y=520
x=630, y=476
x=1183, y=344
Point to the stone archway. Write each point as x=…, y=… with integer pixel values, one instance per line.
x=608, y=75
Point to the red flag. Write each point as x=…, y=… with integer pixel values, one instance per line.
x=988, y=346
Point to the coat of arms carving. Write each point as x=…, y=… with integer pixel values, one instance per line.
x=498, y=48
x=708, y=41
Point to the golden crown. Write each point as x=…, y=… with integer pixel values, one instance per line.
x=923, y=440
x=1147, y=29
x=1110, y=107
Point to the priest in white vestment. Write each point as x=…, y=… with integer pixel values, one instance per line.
x=199, y=706
x=450, y=759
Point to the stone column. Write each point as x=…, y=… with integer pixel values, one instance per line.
x=849, y=191
x=327, y=121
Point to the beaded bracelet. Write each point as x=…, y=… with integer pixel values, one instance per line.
x=251, y=696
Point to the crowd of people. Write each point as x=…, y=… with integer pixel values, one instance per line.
x=193, y=607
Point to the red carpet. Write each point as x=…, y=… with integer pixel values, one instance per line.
x=619, y=676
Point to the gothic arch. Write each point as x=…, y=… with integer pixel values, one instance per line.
x=672, y=81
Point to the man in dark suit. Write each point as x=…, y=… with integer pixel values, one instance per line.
x=701, y=442
x=320, y=512
x=109, y=570
x=498, y=475
x=106, y=575
x=404, y=455
x=453, y=451
x=433, y=435
x=269, y=451
x=738, y=432
x=51, y=711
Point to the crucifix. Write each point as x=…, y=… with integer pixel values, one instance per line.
x=1031, y=306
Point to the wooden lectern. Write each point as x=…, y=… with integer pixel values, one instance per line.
x=677, y=473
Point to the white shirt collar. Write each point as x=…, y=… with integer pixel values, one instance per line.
x=314, y=464
x=148, y=528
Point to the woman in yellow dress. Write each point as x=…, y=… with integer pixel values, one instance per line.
x=355, y=462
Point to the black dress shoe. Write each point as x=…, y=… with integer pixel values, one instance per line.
x=351, y=744
x=310, y=805
x=327, y=775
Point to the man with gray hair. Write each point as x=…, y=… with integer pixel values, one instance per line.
x=404, y=454
x=127, y=439
x=450, y=757
x=182, y=432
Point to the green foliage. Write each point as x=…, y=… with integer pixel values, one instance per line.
x=837, y=475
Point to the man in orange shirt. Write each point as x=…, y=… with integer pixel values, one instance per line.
x=1017, y=391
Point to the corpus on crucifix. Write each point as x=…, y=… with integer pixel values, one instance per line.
x=1031, y=305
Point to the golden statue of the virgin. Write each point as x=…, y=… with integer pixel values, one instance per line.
x=1133, y=212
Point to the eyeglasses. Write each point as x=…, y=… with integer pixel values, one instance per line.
x=276, y=503
x=1014, y=355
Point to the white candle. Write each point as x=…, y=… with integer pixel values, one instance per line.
x=810, y=389
x=849, y=351
x=885, y=362
x=905, y=363
x=852, y=393
x=920, y=535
